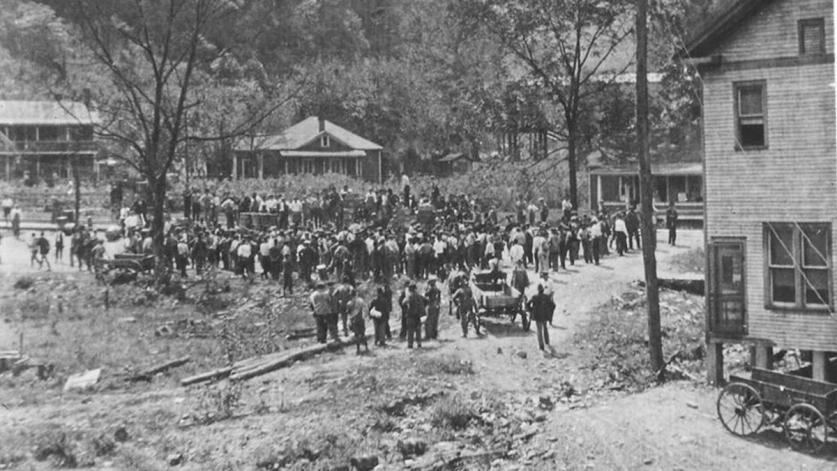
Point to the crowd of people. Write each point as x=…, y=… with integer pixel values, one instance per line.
x=362, y=243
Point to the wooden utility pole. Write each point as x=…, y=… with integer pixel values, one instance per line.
x=649, y=233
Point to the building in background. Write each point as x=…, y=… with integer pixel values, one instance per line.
x=313, y=146
x=770, y=171
x=41, y=140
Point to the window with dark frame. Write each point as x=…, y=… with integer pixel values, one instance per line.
x=812, y=36
x=324, y=141
x=798, y=263
x=750, y=115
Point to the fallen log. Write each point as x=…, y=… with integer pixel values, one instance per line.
x=301, y=334
x=208, y=376
x=287, y=358
x=150, y=372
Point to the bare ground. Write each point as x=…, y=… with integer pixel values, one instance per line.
x=476, y=403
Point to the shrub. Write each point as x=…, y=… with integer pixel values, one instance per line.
x=453, y=413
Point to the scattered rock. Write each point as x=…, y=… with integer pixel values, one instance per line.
x=364, y=463
x=545, y=402
x=499, y=351
x=121, y=434
x=648, y=462
x=692, y=405
x=522, y=354
x=175, y=459
x=412, y=447
x=540, y=418
x=82, y=381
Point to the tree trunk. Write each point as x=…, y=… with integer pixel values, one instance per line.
x=76, y=190
x=157, y=196
x=571, y=164
x=649, y=234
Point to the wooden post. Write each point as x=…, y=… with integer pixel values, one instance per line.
x=260, y=161
x=764, y=357
x=715, y=362
x=819, y=365
x=235, y=167
x=649, y=234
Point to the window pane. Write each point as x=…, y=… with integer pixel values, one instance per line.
x=816, y=287
x=726, y=270
x=813, y=38
x=784, y=289
x=751, y=135
x=781, y=245
x=749, y=101
x=816, y=246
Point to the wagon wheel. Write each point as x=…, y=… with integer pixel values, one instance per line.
x=805, y=428
x=740, y=409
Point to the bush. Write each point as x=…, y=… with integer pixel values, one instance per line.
x=452, y=413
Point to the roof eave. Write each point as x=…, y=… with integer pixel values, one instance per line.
x=719, y=26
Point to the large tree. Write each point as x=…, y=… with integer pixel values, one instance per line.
x=158, y=59
x=573, y=48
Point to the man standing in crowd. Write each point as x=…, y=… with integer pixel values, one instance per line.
x=541, y=307
x=632, y=224
x=434, y=304
x=342, y=294
x=414, y=310
x=671, y=223
x=322, y=305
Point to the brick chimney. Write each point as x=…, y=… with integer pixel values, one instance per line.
x=322, y=124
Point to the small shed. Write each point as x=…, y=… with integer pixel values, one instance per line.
x=453, y=163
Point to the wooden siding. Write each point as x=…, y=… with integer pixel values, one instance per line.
x=333, y=145
x=795, y=179
x=773, y=32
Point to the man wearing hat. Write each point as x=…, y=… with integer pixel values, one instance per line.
x=322, y=307
x=434, y=303
x=414, y=309
x=541, y=307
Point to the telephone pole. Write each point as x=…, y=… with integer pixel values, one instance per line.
x=649, y=232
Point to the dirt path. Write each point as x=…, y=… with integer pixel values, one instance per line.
x=578, y=291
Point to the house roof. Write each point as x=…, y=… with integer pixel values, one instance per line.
x=20, y=112
x=308, y=130
x=718, y=26
x=660, y=169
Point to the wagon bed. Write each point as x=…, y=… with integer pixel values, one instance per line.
x=805, y=408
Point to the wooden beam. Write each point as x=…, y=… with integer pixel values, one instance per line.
x=819, y=366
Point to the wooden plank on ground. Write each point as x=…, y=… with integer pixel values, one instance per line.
x=208, y=376
x=287, y=358
x=150, y=372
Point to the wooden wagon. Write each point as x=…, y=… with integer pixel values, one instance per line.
x=806, y=409
x=495, y=297
x=129, y=262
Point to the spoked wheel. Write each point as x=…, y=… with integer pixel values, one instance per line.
x=740, y=409
x=806, y=428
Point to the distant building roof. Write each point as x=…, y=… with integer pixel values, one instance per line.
x=308, y=130
x=45, y=113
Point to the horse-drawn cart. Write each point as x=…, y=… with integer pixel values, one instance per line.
x=805, y=408
x=495, y=297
